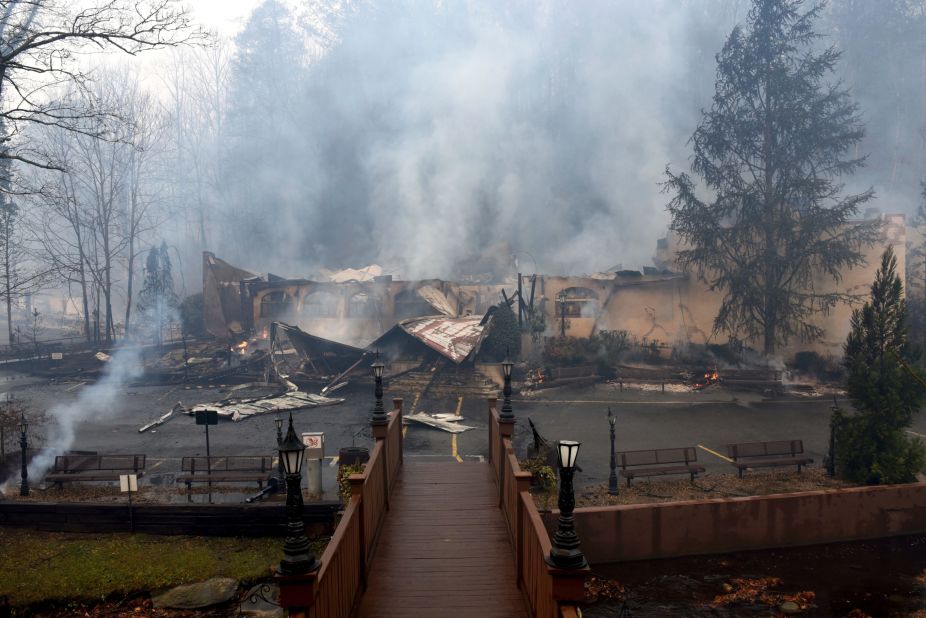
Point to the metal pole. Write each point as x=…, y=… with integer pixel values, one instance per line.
x=562, y=316
x=131, y=512
x=297, y=555
x=507, y=413
x=24, y=484
x=565, y=553
x=612, y=478
x=208, y=465
x=280, y=459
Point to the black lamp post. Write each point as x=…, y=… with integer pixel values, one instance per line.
x=279, y=423
x=507, y=413
x=379, y=413
x=23, y=427
x=562, y=313
x=612, y=478
x=297, y=555
x=565, y=553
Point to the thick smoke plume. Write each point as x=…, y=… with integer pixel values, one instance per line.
x=97, y=401
x=426, y=133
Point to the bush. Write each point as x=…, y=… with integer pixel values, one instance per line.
x=191, y=315
x=603, y=349
x=812, y=363
x=344, y=473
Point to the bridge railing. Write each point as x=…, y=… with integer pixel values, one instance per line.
x=551, y=592
x=334, y=590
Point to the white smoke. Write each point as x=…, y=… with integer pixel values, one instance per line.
x=95, y=402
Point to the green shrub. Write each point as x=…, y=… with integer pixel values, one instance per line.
x=191, y=315
x=884, y=386
x=504, y=337
x=344, y=473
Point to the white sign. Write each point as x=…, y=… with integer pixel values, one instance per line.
x=314, y=444
x=57, y=355
x=128, y=482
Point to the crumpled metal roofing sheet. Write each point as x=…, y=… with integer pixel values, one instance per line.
x=454, y=338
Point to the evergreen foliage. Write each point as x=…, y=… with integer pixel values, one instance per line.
x=157, y=301
x=871, y=445
x=504, y=338
x=770, y=151
x=191, y=315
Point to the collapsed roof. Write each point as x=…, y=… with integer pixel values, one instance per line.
x=457, y=339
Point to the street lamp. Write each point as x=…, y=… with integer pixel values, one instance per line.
x=379, y=413
x=278, y=421
x=612, y=479
x=507, y=414
x=565, y=553
x=23, y=427
x=297, y=555
x=561, y=297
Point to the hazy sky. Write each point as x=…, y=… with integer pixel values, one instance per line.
x=224, y=16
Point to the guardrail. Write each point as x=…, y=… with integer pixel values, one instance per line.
x=335, y=589
x=550, y=592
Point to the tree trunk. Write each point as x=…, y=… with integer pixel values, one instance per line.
x=129, y=280
x=107, y=288
x=8, y=281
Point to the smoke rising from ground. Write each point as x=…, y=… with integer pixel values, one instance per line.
x=96, y=401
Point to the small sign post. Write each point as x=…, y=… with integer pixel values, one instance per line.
x=208, y=417
x=314, y=453
x=127, y=484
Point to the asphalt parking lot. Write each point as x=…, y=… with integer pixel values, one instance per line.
x=707, y=420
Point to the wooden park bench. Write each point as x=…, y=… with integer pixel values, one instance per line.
x=92, y=467
x=226, y=469
x=768, y=454
x=659, y=462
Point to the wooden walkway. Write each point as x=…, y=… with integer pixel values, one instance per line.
x=443, y=550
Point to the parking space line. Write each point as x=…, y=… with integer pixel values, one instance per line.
x=715, y=453
x=453, y=437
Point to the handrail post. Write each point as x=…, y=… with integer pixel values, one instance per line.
x=569, y=584
x=505, y=429
x=297, y=592
x=493, y=403
x=397, y=404
x=356, y=491
x=380, y=434
x=523, y=481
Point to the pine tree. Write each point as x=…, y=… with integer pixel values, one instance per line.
x=157, y=301
x=872, y=446
x=504, y=337
x=770, y=151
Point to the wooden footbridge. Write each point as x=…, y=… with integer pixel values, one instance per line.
x=437, y=539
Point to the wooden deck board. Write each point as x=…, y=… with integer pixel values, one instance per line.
x=443, y=549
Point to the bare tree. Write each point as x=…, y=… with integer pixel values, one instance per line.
x=197, y=86
x=40, y=41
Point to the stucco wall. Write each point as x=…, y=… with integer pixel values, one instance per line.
x=637, y=532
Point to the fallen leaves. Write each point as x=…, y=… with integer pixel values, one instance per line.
x=759, y=591
x=599, y=589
